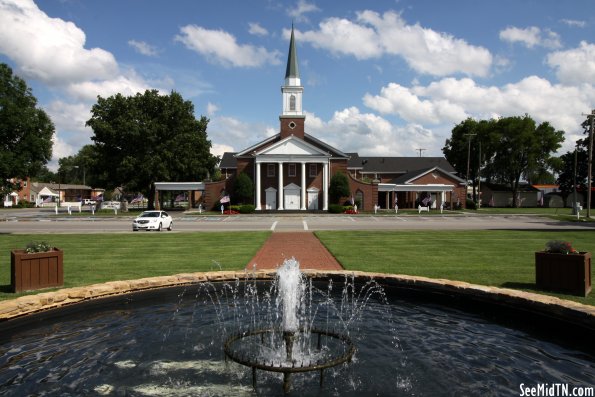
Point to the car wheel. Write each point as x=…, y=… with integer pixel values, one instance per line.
x=171, y=226
x=135, y=230
x=159, y=228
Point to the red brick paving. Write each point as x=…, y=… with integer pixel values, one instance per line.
x=303, y=246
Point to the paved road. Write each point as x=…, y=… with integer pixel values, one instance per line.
x=45, y=222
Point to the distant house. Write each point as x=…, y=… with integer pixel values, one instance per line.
x=46, y=194
x=494, y=195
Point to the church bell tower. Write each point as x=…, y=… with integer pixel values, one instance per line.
x=292, y=119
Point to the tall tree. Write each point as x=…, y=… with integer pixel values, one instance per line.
x=522, y=147
x=25, y=131
x=149, y=137
x=80, y=168
x=566, y=176
x=470, y=145
x=511, y=148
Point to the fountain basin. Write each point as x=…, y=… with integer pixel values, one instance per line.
x=434, y=337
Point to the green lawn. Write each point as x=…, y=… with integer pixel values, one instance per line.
x=96, y=258
x=503, y=258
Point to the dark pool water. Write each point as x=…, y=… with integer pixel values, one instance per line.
x=170, y=344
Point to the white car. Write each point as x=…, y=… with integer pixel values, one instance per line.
x=153, y=220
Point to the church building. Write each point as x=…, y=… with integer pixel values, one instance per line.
x=292, y=169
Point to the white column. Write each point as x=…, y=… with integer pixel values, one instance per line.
x=325, y=186
x=258, y=208
x=303, y=186
x=280, y=198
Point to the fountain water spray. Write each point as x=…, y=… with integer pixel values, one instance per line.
x=306, y=348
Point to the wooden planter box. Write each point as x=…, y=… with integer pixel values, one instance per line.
x=563, y=273
x=37, y=270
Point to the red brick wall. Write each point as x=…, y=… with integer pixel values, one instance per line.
x=369, y=190
x=297, y=131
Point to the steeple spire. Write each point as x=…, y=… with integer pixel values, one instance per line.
x=292, y=119
x=292, y=70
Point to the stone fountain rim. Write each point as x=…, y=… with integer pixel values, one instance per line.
x=560, y=309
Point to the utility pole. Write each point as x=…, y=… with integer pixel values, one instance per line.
x=468, y=159
x=574, y=206
x=591, y=117
x=420, y=150
x=479, y=179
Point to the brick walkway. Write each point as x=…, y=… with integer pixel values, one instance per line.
x=303, y=246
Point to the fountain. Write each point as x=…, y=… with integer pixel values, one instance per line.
x=265, y=355
x=293, y=334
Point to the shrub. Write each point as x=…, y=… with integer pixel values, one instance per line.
x=335, y=208
x=247, y=209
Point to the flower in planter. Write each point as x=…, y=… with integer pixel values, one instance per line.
x=37, y=246
x=560, y=247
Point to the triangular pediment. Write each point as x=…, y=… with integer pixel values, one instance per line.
x=292, y=146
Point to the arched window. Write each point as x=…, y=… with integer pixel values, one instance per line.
x=359, y=198
x=292, y=102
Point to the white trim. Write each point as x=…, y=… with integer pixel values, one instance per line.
x=393, y=187
x=306, y=149
x=179, y=186
x=258, y=205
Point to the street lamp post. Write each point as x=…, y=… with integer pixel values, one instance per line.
x=468, y=160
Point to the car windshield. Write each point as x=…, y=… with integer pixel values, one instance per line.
x=149, y=215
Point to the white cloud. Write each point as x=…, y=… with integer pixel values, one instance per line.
x=373, y=35
x=574, y=66
x=212, y=109
x=349, y=130
x=257, y=30
x=143, y=48
x=301, y=9
x=236, y=134
x=574, y=23
x=531, y=37
x=125, y=85
x=218, y=149
x=221, y=47
x=449, y=101
x=49, y=49
x=399, y=100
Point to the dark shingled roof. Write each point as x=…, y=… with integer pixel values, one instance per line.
x=398, y=164
x=228, y=161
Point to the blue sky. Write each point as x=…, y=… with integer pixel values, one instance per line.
x=383, y=78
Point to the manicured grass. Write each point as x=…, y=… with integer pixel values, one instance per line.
x=96, y=258
x=503, y=258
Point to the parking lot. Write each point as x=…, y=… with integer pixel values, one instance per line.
x=40, y=222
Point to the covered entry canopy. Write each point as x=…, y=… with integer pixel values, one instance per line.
x=177, y=186
x=393, y=187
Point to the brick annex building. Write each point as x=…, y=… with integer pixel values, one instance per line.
x=292, y=169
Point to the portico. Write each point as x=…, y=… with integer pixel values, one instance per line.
x=292, y=168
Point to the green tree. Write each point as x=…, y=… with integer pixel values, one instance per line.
x=243, y=189
x=80, y=168
x=522, y=147
x=339, y=187
x=149, y=137
x=511, y=148
x=462, y=150
x=566, y=175
x=25, y=131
